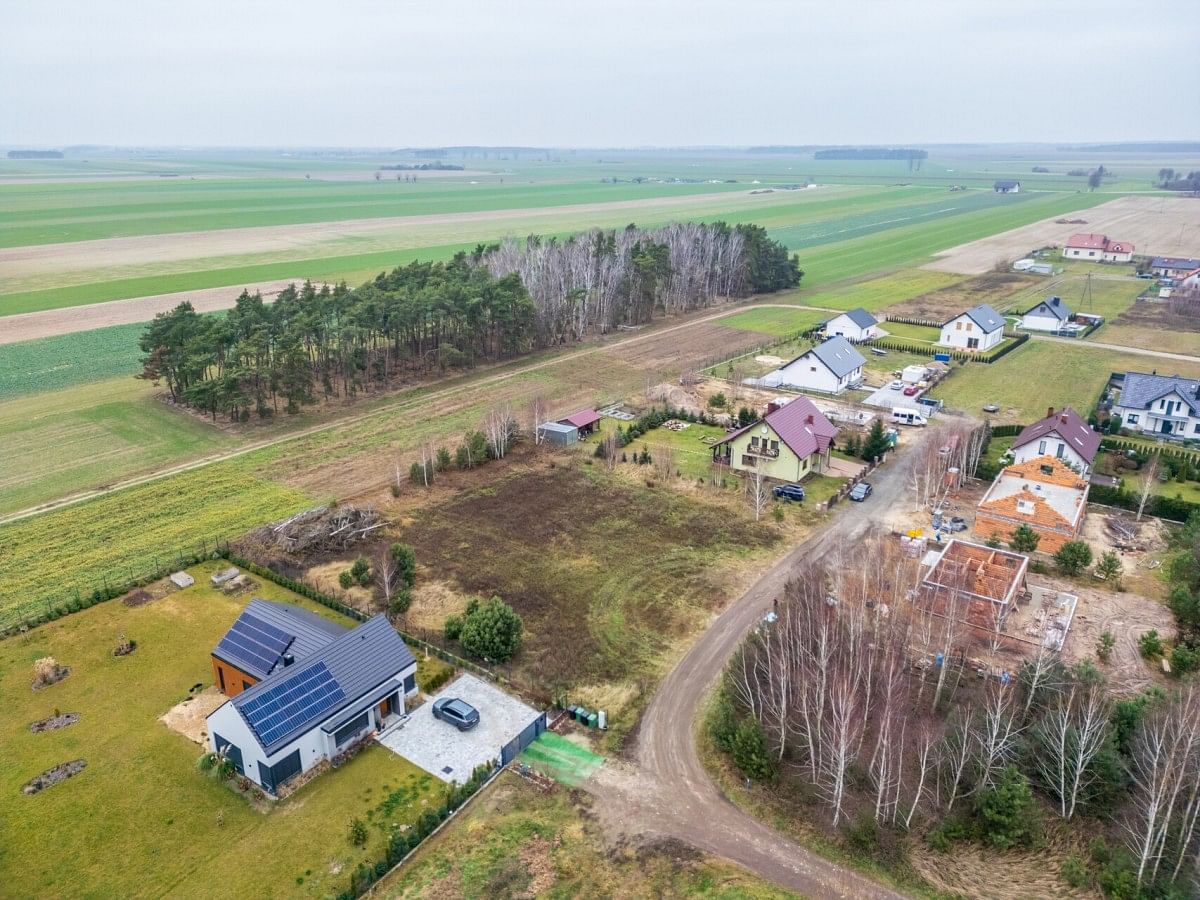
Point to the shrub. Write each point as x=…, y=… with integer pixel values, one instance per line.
x=45, y=670
x=749, y=751
x=1104, y=646
x=401, y=601
x=1184, y=660
x=993, y=541
x=361, y=572
x=1110, y=567
x=1024, y=539
x=442, y=462
x=717, y=401
x=1150, y=644
x=358, y=833
x=722, y=722
x=207, y=762
x=1075, y=872
x=876, y=443
x=406, y=563
x=452, y=628
x=346, y=580
x=1073, y=557
x=1006, y=811
x=492, y=631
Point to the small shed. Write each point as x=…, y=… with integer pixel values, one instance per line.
x=558, y=434
x=182, y=580
x=585, y=421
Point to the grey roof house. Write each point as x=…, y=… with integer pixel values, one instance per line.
x=1166, y=405
x=830, y=367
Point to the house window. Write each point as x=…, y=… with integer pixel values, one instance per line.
x=1047, y=470
x=969, y=326
x=754, y=442
x=958, y=326
x=245, y=685
x=1041, y=448
x=1196, y=428
x=1132, y=419
x=972, y=343
x=1061, y=448
x=749, y=461
x=351, y=729
x=775, y=444
x=1025, y=506
x=410, y=683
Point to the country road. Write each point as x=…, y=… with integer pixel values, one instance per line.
x=667, y=793
x=1135, y=351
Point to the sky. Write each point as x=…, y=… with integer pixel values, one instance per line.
x=604, y=73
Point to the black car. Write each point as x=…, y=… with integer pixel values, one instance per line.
x=789, y=492
x=459, y=713
x=860, y=491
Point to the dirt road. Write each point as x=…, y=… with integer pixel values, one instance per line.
x=667, y=792
x=28, y=326
x=1137, y=351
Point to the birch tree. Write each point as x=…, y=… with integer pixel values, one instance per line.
x=1146, y=480
x=756, y=490
x=1069, y=737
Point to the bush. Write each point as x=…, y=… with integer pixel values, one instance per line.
x=1006, y=811
x=358, y=833
x=1075, y=872
x=492, y=631
x=401, y=601
x=1110, y=567
x=442, y=463
x=1024, y=539
x=1184, y=660
x=722, y=722
x=749, y=751
x=1104, y=646
x=361, y=572
x=1150, y=644
x=717, y=401
x=1073, y=557
x=406, y=563
x=452, y=628
x=346, y=580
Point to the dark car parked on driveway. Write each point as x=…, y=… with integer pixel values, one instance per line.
x=860, y=491
x=459, y=713
x=789, y=492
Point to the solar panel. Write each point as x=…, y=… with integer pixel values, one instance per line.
x=256, y=642
x=292, y=703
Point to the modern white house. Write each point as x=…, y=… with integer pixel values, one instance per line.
x=830, y=367
x=323, y=689
x=855, y=325
x=1097, y=248
x=1164, y=405
x=1049, y=315
x=980, y=328
x=1062, y=435
x=1007, y=186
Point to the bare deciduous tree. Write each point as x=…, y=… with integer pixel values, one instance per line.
x=500, y=426
x=1069, y=736
x=1146, y=480
x=538, y=411
x=756, y=490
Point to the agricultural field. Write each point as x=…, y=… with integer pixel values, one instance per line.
x=873, y=293
x=776, y=321
x=1041, y=374
x=64, y=361
x=1004, y=291
x=81, y=437
x=140, y=818
x=45, y=559
x=514, y=840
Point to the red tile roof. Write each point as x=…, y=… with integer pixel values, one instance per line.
x=1069, y=426
x=1099, y=242
x=582, y=419
x=799, y=424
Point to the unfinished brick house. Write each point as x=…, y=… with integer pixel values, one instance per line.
x=973, y=584
x=1044, y=493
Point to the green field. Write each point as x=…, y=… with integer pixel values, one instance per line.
x=1042, y=374
x=62, y=442
x=904, y=331
x=141, y=820
x=874, y=293
x=66, y=360
x=776, y=321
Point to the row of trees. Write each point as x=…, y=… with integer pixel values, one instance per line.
x=1170, y=180
x=497, y=302
x=834, y=692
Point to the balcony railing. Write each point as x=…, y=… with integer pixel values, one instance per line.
x=766, y=452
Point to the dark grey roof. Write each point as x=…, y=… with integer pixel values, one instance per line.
x=860, y=317
x=838, y=355
x=1006, y=183
x=1069, y=426
x=1140, y=390
x=983, y=316
x=306, y=633
x=1052, y=306
x=1174, y=262
x=359, y=661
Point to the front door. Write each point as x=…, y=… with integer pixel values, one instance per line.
x=1166, y=427
x=972, y=343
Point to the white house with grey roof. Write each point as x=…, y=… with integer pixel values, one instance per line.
x=830, y=367
x=977, y=329
x=854, y=325
x=323, y=688
x=1052, y=314
x=1164, y=405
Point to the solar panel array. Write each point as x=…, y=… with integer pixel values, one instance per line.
x=294, y=702
x=254, y=641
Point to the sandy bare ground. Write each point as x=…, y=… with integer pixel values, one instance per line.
x=189, y=717
x=57, y=259
x=1161, y=226
x=27, y=326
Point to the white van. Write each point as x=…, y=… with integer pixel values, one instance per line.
x=902, y=415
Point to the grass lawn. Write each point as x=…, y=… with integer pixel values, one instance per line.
x=140, y=819
x=516, y=841
x=692, y=457
x=1042, y=374
x=894, y=361
x=819, y=488
x=903, y=330
x=776, y=321
x=81, y=437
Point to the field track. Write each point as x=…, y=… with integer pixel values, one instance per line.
x=1158, y=226
x=30, y=326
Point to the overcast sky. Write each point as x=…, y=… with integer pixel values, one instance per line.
x=596, y=73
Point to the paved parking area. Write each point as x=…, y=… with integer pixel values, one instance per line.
x=441, y=749
x=886, y=398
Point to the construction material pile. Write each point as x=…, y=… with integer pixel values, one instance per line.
x=321, y=529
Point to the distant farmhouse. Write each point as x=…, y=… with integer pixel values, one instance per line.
x=1063, y=435
x=791, y=441
x=830, y=367
x=1164, y=405
x=1049, y=315
x=856, y=325
x=1042, y=493
x=1097, y=247
x=1173, y=266
x=980, y=328
x=1006, y=186
x=302, y=689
